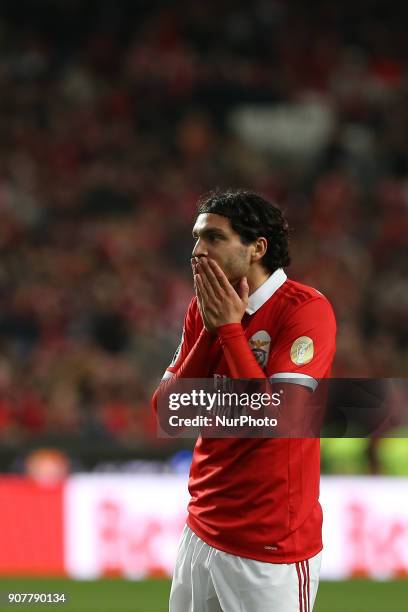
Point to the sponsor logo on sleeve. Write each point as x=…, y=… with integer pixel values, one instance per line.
x=302, y=350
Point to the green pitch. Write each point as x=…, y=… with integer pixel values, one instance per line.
x=152, y=595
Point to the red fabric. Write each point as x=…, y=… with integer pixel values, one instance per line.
x=239, y=357
x=258, y=498
x=32, y=514
x=192, y=358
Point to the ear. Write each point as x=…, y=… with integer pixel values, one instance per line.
x=259, y=249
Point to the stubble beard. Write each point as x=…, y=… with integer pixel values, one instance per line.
x=235, y=267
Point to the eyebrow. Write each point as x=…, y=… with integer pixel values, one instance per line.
x=209, y=230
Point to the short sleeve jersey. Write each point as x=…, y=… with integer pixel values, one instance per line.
x=259, y=497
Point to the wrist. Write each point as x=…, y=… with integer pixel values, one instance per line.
x=228, y=330
x=209, y=333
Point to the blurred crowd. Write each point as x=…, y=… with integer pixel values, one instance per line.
x=114, y=118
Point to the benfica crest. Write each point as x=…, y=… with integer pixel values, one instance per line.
x=260, y=344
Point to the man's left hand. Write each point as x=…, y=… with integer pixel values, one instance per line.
x=221, y=303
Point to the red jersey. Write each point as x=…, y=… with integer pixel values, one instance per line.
x=259, y=498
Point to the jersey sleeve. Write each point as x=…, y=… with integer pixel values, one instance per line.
x=305, y=346
x=187, y=340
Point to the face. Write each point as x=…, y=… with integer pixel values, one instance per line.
x=215, y=238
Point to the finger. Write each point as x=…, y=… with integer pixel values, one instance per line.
x=211, y=297
x=202, y=307
x=243, y=289
x=220, y=276
x=202, y=290
x=194, y=265
x=196, y=288
x=209, y=289
x=199, y=293
x=208, y=273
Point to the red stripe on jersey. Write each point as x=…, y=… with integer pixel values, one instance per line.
x=300, y=588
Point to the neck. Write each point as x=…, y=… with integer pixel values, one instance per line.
x=256, y=277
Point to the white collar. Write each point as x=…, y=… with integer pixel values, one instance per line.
x=265, y=291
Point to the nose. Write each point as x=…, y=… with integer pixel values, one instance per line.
x=200, y=249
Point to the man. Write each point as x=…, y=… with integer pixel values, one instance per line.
x=252, y=542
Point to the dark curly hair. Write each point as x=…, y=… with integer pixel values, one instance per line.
x=251, y=216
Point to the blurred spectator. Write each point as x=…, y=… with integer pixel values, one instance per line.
x=47, y=466
x=115, y=117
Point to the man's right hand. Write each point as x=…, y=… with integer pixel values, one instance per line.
x=211, y=329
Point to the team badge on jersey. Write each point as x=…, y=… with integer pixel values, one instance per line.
x=302, y=350
x=260, y=344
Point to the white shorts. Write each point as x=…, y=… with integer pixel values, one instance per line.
x=208, y=580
